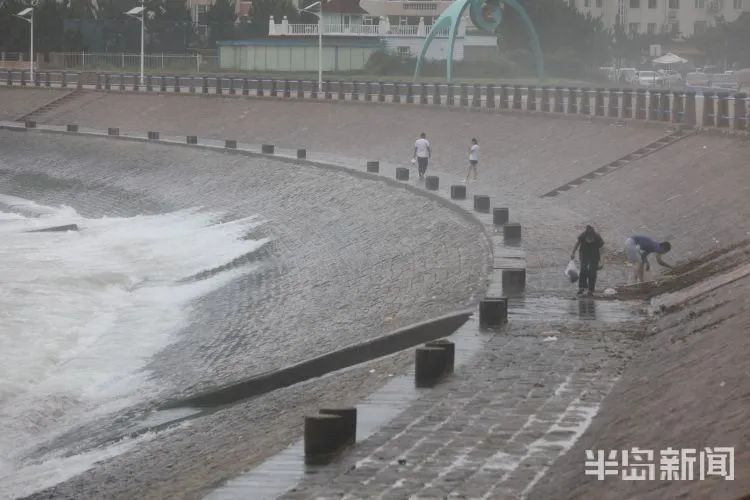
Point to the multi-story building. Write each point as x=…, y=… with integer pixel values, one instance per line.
x=402, y=25
x=680, y=18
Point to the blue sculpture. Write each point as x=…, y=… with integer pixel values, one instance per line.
x=487, y=16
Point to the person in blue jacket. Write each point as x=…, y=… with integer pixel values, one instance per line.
x=637, y=250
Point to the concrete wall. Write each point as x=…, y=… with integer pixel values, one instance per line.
x=293, y=58
x=438, y=48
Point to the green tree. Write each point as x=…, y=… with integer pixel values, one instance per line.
x=14, y=32
x=727, y=43
x=220, y=20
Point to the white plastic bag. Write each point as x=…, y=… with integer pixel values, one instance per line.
x=572, y=271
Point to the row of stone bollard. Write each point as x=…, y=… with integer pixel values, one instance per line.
x=500, y=215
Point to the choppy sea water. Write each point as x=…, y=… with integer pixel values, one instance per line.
x=82, y=313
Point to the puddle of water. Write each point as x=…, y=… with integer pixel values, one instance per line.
x=283, y=471
x=557, y=309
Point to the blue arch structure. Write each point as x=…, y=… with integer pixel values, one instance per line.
x=487, y=16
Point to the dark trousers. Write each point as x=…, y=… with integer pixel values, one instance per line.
x=587, y=278
x=422, y=164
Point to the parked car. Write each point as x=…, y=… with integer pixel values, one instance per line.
x=650, y=79
x=725, y=81
x=697, y=80
x=629, y=75
x=671, y=77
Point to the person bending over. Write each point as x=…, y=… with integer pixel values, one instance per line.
x=637, y=250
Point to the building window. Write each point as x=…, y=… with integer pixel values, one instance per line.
x=403, y=20
x=738, y=4
x=368, y=20
x=699, y=27
x=675, y=28
x=674, y=4
x=633, y=28
x=651, y=4
x=598, y=4
x=635, y=4
x=651, y=28
x=403, y=51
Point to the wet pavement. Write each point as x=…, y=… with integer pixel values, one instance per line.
x=519, y=404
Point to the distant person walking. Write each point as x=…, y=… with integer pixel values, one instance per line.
x=422, y=153
x=473, y=159
x=637, y=250
x=589, y=244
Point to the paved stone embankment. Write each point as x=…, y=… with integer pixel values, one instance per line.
x=350, y=259
x=686, y=388
x=19, y=102
x=504, y=453
x=493, y=428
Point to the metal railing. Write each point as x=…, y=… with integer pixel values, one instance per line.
x=93, y=61
x=691, y=109
x=375, y=30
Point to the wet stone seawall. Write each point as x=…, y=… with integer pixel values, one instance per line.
x=348, y=259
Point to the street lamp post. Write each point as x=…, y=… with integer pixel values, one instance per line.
x=30, y=19
x=138, y=13
x=317, y=10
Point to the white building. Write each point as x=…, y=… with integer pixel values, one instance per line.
x=681, y=18
x=402, y=26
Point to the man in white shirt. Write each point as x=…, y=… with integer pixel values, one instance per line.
x=422, y=153
x=473, y=159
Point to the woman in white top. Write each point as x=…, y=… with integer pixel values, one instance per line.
x=473, y=159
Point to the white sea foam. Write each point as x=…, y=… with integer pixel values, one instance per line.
x=82, y=312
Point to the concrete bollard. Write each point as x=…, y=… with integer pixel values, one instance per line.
x=72, y=127
x=192, y=139
x=430, y=365
x=432, y=182
x=514, y=280
x=448, y=346
x=481, y=203
x=230, y=144
x=436, y=99
x=504, y=95
x=267, y=149
x=500, y=216
x=512, y=231
x=323, y=437
x=402, y=174
x=30, y=124
x=153, y=136
x=113, y=131
x=373, y=166
x=476, y=98
x=458, y=192
x=301, y=154
x=349, y=417
x=493, y=311
x=355, y=91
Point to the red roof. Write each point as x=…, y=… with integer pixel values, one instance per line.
x=343, y=7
